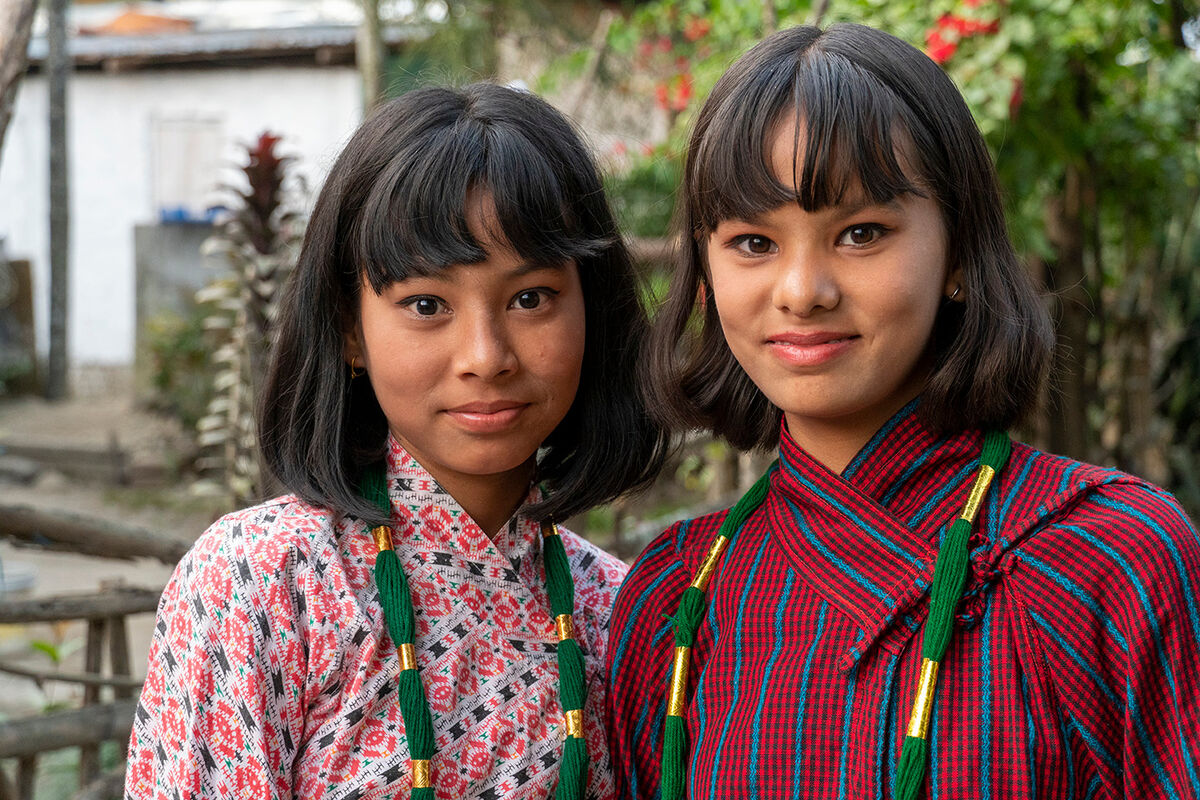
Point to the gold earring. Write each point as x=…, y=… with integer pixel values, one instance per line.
x=356, y=371
x=954, y=294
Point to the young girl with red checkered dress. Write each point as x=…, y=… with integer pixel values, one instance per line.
x=907, y=604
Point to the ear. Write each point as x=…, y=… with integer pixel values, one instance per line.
x=352, y=349
x=953, y=288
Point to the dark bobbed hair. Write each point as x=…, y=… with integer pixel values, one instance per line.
x=874, y=115
x=394, y=205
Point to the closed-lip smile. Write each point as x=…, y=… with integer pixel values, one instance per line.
x=808, y=339
x=809, y=349
x=487, y=416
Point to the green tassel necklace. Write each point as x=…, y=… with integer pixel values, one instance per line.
x=397, y=605
x=949, y=577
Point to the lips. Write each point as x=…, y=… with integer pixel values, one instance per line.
x=810, y=349
x=492, y=416
x=809, y=339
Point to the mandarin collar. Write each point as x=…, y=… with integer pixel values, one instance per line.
x=436, y=519
x=867, y=539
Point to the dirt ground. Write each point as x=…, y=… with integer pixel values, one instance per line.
x=152, y=443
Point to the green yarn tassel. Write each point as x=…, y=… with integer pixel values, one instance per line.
x=573, y=773
x=424, y=793
x=910, y=774
x=393, y=592
x=418, y=723
x=674, y=761
x=742, y=509
x=572, y=680
x=559, y=585
x=692, y=605
x=572, y=689
x=949, y=576
x=691, y=612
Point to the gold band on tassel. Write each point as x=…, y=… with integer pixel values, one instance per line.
x=677, y=700
x=709, y=565
x=420, y=773
x=408, y=656
x=549, y=529
x=565, y=626
x=574, y=720
x=922, y=710
x=383, y=537
x=982, y=481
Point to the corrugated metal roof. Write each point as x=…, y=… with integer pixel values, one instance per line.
x=214, y=43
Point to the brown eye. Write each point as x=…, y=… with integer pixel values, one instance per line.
x=860, y=235
x=423, y=306
x=529, y=300
x=754, y=244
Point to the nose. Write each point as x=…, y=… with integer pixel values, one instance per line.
x=804, y=284
x=485, y=349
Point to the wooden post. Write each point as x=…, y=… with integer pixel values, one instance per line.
x=89, y=755
x=118, y=653
x=58, y=64
x=369, y=54
x=26, y=776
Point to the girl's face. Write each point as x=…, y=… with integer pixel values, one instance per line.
x=831, y=312
x=475, y=366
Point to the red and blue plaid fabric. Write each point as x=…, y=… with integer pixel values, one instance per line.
x=1074, y=670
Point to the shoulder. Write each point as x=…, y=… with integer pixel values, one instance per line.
x=590, y=564
x=1113, y=554
x=597, y=575
x=663, y=569
x=257, y=544
x=268, y=532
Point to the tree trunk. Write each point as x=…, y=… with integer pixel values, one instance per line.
x=1068, y=409
x=770, y=19
x=58, y=70
x=16, y=21
x=370, y=56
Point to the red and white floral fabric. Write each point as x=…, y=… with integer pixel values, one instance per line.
x=272, y=675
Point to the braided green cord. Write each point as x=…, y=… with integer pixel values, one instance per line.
x=949, y=577
x=396, y=600
x=692, y=606
x=572, y=685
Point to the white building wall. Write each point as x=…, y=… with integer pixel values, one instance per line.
x=110, y=123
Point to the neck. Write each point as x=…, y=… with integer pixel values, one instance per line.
x=490, y=500
x=835, y=442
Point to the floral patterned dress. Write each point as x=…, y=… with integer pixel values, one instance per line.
x=271, y=673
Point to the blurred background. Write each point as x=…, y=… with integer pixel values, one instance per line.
x=158, y=159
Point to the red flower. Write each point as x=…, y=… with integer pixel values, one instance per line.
x=661, y=97
x=664, y=44
x=683, y=92
x=696, y=28
x=938, y=48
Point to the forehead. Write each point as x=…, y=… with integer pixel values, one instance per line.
x=810, y=134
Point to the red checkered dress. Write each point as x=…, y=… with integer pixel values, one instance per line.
x=272, y=674
x=1073, y=672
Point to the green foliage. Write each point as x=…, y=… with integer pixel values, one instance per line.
x=1092, y=111
x=643, y=197
x=179, y=372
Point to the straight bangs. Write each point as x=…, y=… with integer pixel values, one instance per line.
x=414, y=220
x=852, y=134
